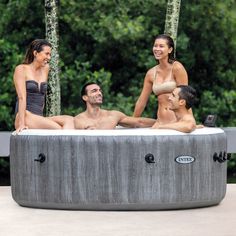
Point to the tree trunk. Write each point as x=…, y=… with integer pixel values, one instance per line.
x=172, y=18
x=53, y=101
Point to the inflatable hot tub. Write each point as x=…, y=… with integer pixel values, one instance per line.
x=122, y=169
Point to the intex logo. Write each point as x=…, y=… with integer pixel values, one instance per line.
x=185, y=159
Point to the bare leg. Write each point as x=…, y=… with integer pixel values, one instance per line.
x=65, y=121
x=38, y=122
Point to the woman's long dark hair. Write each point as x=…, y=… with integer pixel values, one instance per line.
x=36, y=45
x=170, y=43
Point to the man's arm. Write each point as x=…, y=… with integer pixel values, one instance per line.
x=136, y=122
x=186, y=125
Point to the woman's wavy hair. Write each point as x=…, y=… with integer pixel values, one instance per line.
x=36, y=45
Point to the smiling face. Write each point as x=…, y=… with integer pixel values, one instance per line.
x=93, y=95
x=174, y=100
x=43, y=57
x=161, y=49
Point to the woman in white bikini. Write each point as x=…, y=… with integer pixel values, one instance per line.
x=162, y=79
x=30, y=79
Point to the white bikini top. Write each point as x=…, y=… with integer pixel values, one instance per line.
x=167, y=86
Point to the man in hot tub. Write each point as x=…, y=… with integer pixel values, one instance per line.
x=96, y=118
x=180, y=101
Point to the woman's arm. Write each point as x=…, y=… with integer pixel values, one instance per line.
x=143, y=98
x=132, y=122
x=19, y=82
x=180, y=74
x=137, y=122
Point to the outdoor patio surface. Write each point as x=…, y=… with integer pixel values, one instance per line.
x=210, y=221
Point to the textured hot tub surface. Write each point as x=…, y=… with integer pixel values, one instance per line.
x=122, y=169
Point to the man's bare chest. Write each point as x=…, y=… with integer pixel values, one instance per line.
x=108, y=122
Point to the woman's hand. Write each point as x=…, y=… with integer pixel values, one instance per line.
x=20, y=128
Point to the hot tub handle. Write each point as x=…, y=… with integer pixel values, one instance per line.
x=41, y=158
x=149, y=158
x=222, y=157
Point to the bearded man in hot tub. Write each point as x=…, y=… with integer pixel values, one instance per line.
x=96, y=118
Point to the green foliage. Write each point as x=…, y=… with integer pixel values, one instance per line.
x=14, y=36
x=232, y=163
x=73, y=103
x=111, y=42
x=4, y=164
x=116, y=36
x=8, y=59
x=222, y=104
x=209, y=31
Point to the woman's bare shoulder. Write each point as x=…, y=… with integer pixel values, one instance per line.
x=21, y=67
x=177, y=65
x=20, y=72
x=150, y=74
x=152, y=70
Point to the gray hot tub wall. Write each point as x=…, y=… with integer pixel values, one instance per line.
x=111, y=172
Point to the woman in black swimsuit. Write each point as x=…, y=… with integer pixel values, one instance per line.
x=30, y=79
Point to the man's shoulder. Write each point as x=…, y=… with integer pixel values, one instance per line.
x=188, y=117
x=80, y=115
x=115, y=113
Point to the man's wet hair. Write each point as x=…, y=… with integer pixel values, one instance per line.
x=83, y=90
x=189, y=94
